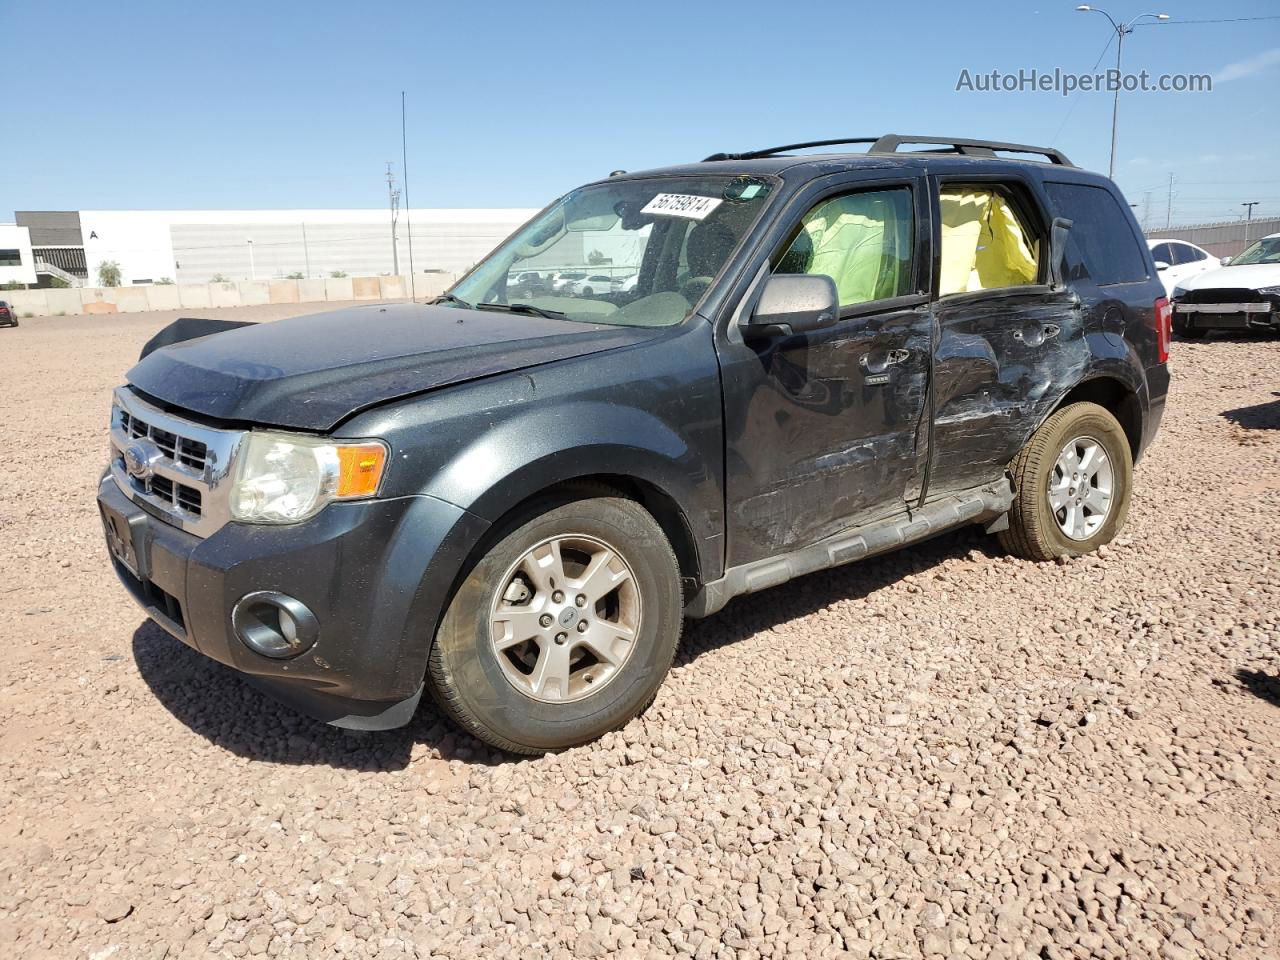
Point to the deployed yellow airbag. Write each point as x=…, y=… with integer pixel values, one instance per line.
x=984, y=244
x=862, y=241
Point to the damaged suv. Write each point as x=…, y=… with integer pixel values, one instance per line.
x=512, y=502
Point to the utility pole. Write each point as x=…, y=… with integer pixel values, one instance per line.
x=253, y=270
x=1168, y=210
x=306, y=251
x=394, y=196
x=1146, y=210
x=1122, y=30
x=1248, y=206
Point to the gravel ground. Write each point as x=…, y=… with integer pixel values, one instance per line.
x=943, y=752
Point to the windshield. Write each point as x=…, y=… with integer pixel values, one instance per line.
x=636, y=253
x=1266, y=250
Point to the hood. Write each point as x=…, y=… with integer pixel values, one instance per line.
x=312, y=372
x=1246, y=276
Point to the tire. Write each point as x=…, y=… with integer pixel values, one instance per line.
x=1036, y=530
x=505, y=698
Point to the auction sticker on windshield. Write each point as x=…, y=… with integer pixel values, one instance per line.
x=686, y=205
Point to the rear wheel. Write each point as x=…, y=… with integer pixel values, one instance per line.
x=563, y=630
x=1072, y=485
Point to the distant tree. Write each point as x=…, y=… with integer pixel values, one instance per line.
x=164, y=282
x=219, y=278
x=596, y=257
x=108, y=274
x=296, y=275
x=13, y=285
x=337, y=274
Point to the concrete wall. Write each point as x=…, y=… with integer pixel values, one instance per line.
x=207, y=296
x=1220, y=239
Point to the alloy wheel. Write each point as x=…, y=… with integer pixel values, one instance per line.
x=565, y=618
x=1081, y=488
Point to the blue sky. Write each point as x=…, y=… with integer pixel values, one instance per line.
x=265, y=105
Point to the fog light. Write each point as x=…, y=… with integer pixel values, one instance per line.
x=274, y=624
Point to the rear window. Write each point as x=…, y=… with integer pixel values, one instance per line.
x=1102, y=246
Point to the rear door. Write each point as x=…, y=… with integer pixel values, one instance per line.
x=1106, y=267
x=1006, y=339
x=822, y=428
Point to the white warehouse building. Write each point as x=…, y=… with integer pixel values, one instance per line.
x=196, y=246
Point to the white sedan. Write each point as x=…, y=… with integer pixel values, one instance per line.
x=590, y=286
x=1244, y=295
x=1177, y=260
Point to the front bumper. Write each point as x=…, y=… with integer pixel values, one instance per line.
x=375, y=573
x=1226, y=316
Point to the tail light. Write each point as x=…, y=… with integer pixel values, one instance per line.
x=1164, y=329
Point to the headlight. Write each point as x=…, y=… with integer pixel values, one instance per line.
x=1178, y=292
x=284, y=478
x=1270, y=291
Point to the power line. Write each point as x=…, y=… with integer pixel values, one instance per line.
x=1178, y=23
x=1075, y=95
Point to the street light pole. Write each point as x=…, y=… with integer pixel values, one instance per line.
x=253, y=270
x=1121, y=29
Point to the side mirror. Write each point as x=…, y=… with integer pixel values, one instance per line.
x=1226, y=261
x=1161, y=265
x=1058, y=233
x=793, y=303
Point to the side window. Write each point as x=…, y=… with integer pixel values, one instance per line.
x=1102, y=245
x=1162, y=253
x=862, y=241
x=985, y=243
x=1186, y=253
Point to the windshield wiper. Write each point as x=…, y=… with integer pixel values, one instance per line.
x=524, y=308
x=450, y=298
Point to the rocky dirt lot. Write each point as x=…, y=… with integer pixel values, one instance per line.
x=943, y=752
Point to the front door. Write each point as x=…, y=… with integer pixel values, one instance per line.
x=823, y=428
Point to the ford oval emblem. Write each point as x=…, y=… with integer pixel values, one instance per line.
x=140, y=458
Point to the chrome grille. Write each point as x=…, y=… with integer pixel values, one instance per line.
x=182, y=467
x=183, y=449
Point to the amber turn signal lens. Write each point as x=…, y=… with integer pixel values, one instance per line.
x=360, y=469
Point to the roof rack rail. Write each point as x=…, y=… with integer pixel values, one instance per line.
x=890, y=143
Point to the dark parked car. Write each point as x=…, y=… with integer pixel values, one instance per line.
x=7, y=316
x=514, y=504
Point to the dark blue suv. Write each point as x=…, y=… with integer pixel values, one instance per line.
x=512, y=497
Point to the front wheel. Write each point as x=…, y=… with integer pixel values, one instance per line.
x=1072, y=484
x=563, y=630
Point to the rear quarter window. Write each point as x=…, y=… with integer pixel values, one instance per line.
x=1102, y=245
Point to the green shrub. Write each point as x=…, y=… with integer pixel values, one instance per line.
x=296, y=275
x=337, y=274
x=108, y=274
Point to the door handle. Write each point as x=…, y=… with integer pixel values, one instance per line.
x=1047, y=332
x=890, y=357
